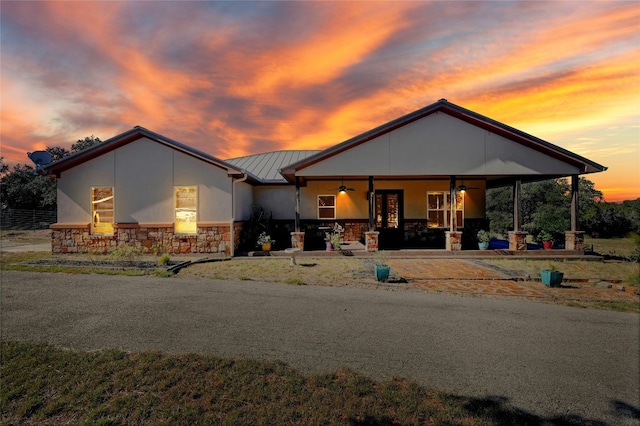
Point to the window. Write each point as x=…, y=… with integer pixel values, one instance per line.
x=326, y=206
x=102, y=211
x=438, y=210
x=186, y=198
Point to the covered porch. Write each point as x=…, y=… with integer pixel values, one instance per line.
x=420, y=182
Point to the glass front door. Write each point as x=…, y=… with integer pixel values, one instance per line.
x=389, y=215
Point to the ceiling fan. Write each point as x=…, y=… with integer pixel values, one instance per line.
x=342, y=188
x=462, y=188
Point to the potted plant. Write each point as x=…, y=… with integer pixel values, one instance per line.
x=327, y=240
x=547, y=239
x=381, y=267
x=265, y=241
x=483, y=239
x=333, y=240
x=551, y=277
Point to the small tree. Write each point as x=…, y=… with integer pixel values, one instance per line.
x=20, y=188
x=85, y=143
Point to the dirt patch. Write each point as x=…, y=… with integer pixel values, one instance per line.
x=443, y=276
x=15, y=238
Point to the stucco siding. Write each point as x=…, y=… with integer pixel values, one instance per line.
x=144, y=174
x=74, y=188
x=277, y=199
x=143, y=183
x=214, y=186
x=439, y=144
x=504, y=157
x=354, y=204
x=243, y=200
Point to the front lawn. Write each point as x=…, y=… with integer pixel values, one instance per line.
x=48, y=386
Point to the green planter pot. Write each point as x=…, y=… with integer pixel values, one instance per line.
x=551, y=278
x=382, y=272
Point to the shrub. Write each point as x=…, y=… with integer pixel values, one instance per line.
x=130, y=253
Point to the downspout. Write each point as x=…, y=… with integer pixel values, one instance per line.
x=232, y=242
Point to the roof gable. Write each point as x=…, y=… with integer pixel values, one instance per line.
x=127, y=137
x=377, y=149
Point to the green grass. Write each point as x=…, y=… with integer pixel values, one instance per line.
x=623, y=247
x=309, y=271
x=45, y=385
x=18, y=262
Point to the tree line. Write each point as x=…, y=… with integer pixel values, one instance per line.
x=546, y=205
x=21, y=188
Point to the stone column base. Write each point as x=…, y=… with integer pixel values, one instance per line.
x=453, y=240
x=371, y=240
x=574, y=240
x=517, y=241
x=297, y=240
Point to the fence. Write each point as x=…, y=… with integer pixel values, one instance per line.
x=26, y=219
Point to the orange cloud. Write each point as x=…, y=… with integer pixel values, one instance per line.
x=348, y=32
x=231, y=81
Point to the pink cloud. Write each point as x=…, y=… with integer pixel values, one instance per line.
x=239, y=78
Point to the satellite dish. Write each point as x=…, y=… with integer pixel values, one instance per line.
x=39, y=158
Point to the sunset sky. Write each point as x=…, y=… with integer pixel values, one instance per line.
x=239, y=78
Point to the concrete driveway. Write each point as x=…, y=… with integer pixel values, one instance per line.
x=545, y=359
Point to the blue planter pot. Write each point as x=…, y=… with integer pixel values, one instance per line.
x=483, y=245
x=551, y=278
x=382, y=272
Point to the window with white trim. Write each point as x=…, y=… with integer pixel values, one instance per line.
x=439, y=212
x=186, y=209
x=102, y=210
x=326, y=206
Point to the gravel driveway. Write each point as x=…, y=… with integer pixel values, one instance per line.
x=548, y=360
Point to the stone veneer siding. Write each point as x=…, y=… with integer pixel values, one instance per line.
x=156, y=238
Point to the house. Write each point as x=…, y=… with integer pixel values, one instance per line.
x=418, y=181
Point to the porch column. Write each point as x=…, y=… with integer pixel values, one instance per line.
x=372, y=205
x=574, y=239
x=452, y=204
x=517, y=238
x=453, y=238
x=371, y=237
x=517, y=206
x=574, y=203
x=297, y=237
x=297, y=204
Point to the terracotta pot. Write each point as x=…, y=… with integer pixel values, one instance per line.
x=548, y=245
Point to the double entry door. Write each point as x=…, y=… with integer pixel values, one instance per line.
x=389, y=218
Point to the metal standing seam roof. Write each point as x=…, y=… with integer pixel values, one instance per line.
x=266, y=166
